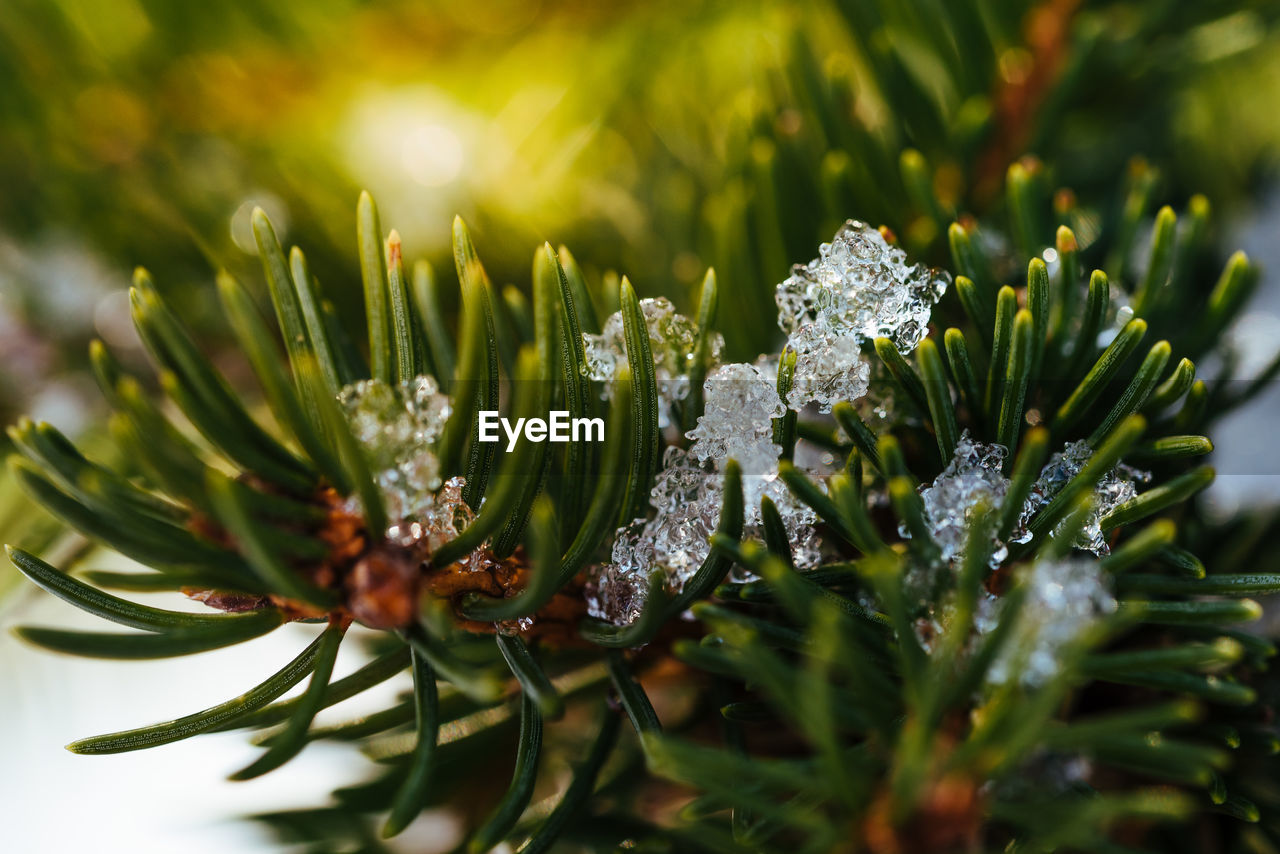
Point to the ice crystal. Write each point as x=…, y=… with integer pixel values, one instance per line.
x=858, y=288
x=806, y=545
x=436, y=520
x=974, y=475
x=1064, y=600
x=687, y=497
x=739, y=405
x=934, y=616
x=741, y=402
x=830, y=367
x=397, y=427
x=1114, y=488
x=861, y=285
x=616, y=594
x=672, y=339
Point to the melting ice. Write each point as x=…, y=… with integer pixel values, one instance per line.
x=672, y=339
x=859, y=288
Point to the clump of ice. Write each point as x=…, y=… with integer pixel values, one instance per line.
x=672, y=339
x=861, y=283
x=741, y=402
x=1115, y=488
x=397, y=427
x=1065, y=596
x=860, y=287
x=616, y=593
x=687, y=497
x=436, y=519
x=830, y=367
x=975, y=475
x=1064, y=600
x=739, y=405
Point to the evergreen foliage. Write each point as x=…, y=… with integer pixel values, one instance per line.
x=892, y=697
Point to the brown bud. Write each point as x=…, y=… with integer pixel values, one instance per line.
x=382, y=589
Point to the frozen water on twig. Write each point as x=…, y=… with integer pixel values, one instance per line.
x=616, y=594
x=1115, y=488
x=740, y=404
x=830, y=367
x=672, y=339
x=397, y=428
x=860, y=287
x=436, y=520
x=861, y=284
x=1064, y=600
x=973, y=476
x=687, y=497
